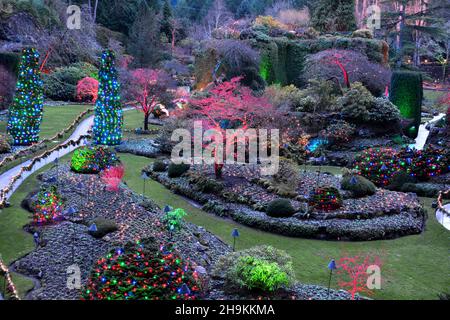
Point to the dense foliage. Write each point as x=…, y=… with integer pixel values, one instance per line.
x=280, y=208
x=92, y=159
x=261, y=268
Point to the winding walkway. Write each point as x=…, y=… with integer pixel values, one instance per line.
x=81, y=130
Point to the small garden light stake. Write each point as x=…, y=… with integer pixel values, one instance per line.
x=331, y=266
x=144, y=177
x=235, y=234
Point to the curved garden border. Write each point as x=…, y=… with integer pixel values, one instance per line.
x=385, y=227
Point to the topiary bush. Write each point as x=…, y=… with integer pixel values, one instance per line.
x=177, y=170
x=325, y=199
x=280, y=208
x=261, y=268
x=358, y=185
x=407, y=94
x=93, y=159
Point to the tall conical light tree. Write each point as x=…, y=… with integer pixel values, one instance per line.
x=25, y=113
x=108, y=109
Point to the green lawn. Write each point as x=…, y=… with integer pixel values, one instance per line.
x=414, y=267
x=55, y=119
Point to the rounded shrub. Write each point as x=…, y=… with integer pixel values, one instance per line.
x=177, y=170
x=280, y=208
x=159, y=166
x=358, y=185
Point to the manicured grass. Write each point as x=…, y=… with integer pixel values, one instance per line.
x=55, y=119
x=414, y=267
x=134, y=119
x=432, y=95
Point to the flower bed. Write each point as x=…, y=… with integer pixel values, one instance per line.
x=385, y=215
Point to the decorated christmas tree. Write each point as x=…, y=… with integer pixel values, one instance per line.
x=108, y=109
x=25, y=113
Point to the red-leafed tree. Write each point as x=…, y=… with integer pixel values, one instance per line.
x=87, y=89
x=230, y=105
x=112, y=177
x=353, y=275
x=149, y=88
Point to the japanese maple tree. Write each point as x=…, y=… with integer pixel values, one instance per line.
x=230, y=105
x=87, y=89
x=149, y=87
x=353, y=273
x=112, y=177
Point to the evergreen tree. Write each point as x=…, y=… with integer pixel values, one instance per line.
x=108, y=109
x=167, y=20
x=334, y=15
x=25, y=113
x=145, y=43
x=408, y=21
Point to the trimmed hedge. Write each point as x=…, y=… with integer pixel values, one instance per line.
x=282, y=59
x=407, y=94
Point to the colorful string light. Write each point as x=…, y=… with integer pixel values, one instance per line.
x=142, y=275
x=9, y=283
x=25, y=113
x=325, y=199
x=89, y=159
x=380, y=165
x=48, y=207
x=108, y=109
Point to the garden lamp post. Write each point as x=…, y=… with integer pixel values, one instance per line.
x=331, y=266
x=144, y=177
x=235, y=234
